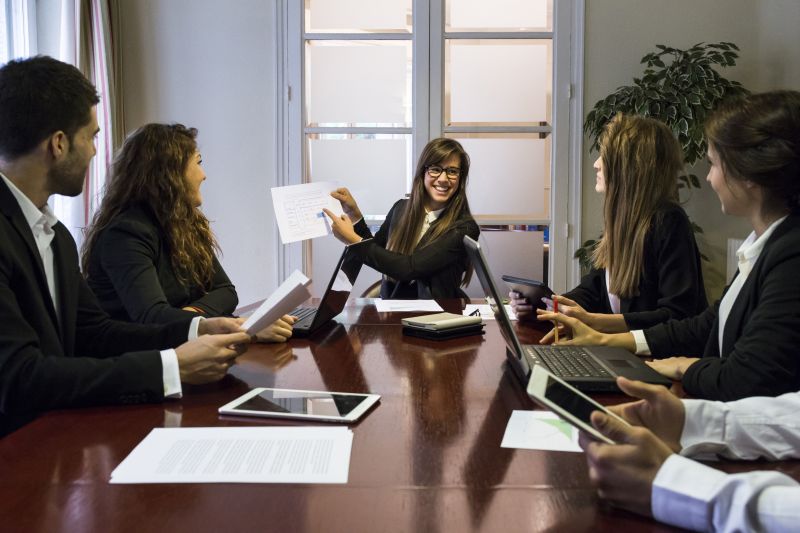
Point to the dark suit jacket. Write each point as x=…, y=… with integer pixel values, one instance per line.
x=434, y=270
x=131, y=274
x=76, y=357
x=671, y=285
x=761, y=342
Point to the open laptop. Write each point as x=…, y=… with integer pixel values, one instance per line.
x=587, y=368
x=334, y=299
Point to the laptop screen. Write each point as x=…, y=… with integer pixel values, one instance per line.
x=339, y=288
x=493, y=298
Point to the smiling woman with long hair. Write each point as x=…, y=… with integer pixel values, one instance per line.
x=150, y=254
x=419, y=248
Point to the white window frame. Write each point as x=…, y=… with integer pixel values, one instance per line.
x=567, y=126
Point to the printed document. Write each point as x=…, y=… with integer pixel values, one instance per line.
x=286, y=298
x=239, y=455
x=485, y=311
x=540, y=430
x=298, y=210
x=400, y=306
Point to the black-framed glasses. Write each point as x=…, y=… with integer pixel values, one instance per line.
x=435, y=171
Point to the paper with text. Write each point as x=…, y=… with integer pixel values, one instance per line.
x=286, y=298
x=400, y=306
x=298, y=210
x=485, y=311
x=540, y=430
x=239, y=455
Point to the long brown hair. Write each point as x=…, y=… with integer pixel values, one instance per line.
x=641, y=160
x=149, y=171
x=403, y=238
x=757, y=138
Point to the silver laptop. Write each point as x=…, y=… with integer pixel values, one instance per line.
x=587, y=368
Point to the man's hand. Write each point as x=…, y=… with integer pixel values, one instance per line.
x=349, y=205
x=278, y=331
x=624, y=472
x=672, y=367
x=215, y=326
x=208, y=358
x=658, y=410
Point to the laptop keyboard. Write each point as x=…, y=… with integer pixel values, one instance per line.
x=305, y=315
x=568, y=361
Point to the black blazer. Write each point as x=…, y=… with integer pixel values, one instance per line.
x=761, y=343
x=75, y=357
x=434, y=270
x=131, y=273
x=671, y=285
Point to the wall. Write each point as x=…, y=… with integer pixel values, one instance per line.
x=619, y=32
x=211, y=65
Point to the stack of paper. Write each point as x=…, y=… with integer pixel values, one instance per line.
x=400, y=306
x=287, y=297
x=239, y=455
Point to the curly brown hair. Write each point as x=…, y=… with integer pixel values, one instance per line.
x=150, y=171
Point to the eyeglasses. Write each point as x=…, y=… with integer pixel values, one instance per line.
x=435, y=171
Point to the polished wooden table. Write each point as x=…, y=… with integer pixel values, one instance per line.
x=426, y=459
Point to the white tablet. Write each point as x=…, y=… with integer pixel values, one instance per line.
x=304, y=404
x=566, y=401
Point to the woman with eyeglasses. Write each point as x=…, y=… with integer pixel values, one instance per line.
x=149, y=255
x=419, y=248
x=646, y=267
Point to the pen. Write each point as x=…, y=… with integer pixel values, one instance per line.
x=555, y=310
x=476, y=312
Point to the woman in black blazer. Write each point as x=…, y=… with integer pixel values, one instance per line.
x=646, y=268
x=419, y=248
x=748, y=344
x=149, y=255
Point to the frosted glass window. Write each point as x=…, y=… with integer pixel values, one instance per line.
x=376, y=170
x=517, y=253
x=358, y=83
x=509, y=175
x=498, y=82
x=499, y=15
x=354, y=16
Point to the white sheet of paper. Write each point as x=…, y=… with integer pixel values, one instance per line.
x=286, y=297
x=540, y=430
x=298, y=210
x=486, y=312
x=399, y=306
x=239, y=455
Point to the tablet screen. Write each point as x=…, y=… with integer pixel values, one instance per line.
x=302, y=403
x=572, y=402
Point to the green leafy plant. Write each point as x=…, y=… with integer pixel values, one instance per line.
x=678, y=87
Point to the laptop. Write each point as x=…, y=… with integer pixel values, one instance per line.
x=310, y=319
x=587, y=368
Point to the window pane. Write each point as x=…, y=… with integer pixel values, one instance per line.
x=356, y=16
x=376, y=168
x=358, y=83
x=498, y=82
x=499, y=15
x=509, y=175
x=4, y=55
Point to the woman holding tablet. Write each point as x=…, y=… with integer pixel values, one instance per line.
x=419, y=247
x=646, y=267
x=747, y=344
x=149, y=254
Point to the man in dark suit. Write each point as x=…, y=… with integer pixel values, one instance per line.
x=57, y=347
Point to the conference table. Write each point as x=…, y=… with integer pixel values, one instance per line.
x=427, y=458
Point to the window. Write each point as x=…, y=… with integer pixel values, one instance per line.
x=368, y=84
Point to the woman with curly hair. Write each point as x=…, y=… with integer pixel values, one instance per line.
x=150, y=254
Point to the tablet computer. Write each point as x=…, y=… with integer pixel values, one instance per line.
x=531, y=289
x=303, y=404
x=566, y=401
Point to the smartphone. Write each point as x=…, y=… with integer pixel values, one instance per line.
x=566, y=401
x=531, y=289
x=303, y=404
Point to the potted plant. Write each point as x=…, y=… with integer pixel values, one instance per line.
x=678, y=87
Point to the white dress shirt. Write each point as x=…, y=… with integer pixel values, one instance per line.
x=694, y=496
x=430, y=218
x=613, y=299
x=42, y=223
x=747, y=255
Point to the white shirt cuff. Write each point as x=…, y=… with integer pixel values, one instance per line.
x=193, y=328
x=642, y=348
x=681, y=492
x=703, y=428
x=171, y=373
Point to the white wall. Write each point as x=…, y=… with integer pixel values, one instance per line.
x=620, y=32
x=211, y=65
